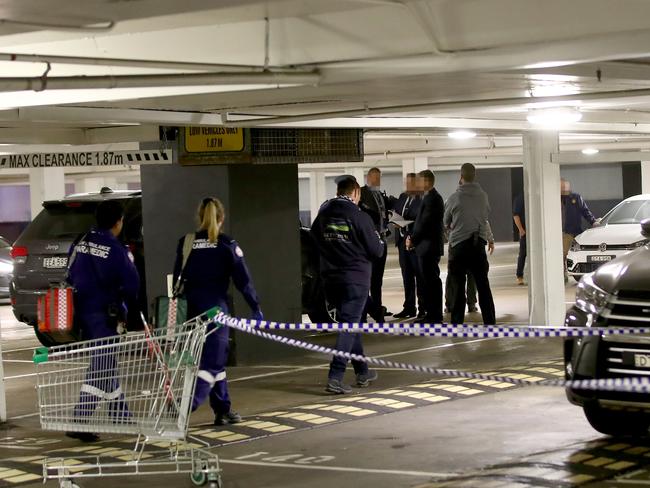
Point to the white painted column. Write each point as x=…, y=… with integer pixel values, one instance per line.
x=357, y=172
x=95, y=183
x=645, y=176
x=45, y=184
x=543, y=228
x=316, y=192
x=3, y=399
x=414, y=165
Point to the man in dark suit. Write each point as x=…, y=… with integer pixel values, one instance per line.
x=408, y=206
x=428, y=241
x=374, y=203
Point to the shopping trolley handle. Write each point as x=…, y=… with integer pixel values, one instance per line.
x=40, y=355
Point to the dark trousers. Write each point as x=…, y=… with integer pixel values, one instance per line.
x=101, y=383
x=469, y=256
x=430, y=270
x=521, y=259
x=349, y=300
x=471, y=292
x=411, y=278
x=211, y=381
x=376, y=282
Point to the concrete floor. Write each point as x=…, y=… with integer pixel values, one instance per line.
x=407, y=430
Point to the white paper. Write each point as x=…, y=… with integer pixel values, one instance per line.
x=399, y=221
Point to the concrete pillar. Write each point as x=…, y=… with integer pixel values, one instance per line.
x=316, y=192
x=414, y=165
x=3, y=400
x=357, y=172
x=645, y=176
x=544, y=228
x=95, y=183
x=45, y=184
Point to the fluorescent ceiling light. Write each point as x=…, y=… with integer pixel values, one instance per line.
x=552, y=117
x=461, y=134
x=590, y=151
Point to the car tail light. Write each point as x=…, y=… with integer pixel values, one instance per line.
x=19, y=254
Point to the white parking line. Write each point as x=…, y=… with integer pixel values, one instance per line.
x=342, y=469
x=306, y=368
x=27, y=415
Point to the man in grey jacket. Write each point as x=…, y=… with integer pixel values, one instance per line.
x=466, y=217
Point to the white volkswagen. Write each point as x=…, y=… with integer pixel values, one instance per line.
x=617, y=233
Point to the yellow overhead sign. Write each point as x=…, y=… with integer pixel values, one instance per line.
x=213, y=139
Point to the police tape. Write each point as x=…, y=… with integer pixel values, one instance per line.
x=450, y=330
x=628, y=385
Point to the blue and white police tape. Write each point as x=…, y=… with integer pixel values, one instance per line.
x=450, y=330
x=629, y=385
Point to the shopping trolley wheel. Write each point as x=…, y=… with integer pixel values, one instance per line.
x=216, y=484
x=199, y=478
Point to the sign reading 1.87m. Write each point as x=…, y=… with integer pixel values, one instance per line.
x=84, y=158
x=213, y=139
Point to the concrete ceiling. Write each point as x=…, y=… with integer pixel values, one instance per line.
x=412, y=65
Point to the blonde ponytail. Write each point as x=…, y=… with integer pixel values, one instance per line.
x=211, y=217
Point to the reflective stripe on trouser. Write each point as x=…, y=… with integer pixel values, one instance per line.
x=211, y=381
x=102, y=385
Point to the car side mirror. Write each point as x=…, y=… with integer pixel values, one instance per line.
x=645, y=228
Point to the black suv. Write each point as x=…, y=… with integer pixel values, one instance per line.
x=617, y=294
x=41, y=254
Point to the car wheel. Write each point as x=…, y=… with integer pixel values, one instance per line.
x=617, y=422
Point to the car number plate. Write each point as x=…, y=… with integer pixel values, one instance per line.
x=55, y=263
x=642, y=360
x=597, y=258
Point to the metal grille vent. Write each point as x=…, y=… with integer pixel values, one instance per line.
x=306, y=145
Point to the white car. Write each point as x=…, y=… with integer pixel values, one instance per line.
x=617, y=233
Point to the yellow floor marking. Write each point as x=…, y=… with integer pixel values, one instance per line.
x=579, y=478
x=202, y=432
x=77, y=449
x=219, y=435
x=600, y=461
x=24, y=477
x=617, y=447
x=391, y=392
x=303, y=417
x=25, y=459
x=8, y=473
x=322, y=420
x=313, y=407
x=579, y=457
x=280, y=428
x=637, y=450
x=104, y=450
x=470, y=380
x=235, y=438
x=620, y=465
x=354, y=399
x=495, y=384
x=421, y=385
x=343, y=409
x=273, y=414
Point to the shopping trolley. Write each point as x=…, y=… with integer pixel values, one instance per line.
x=139, y=383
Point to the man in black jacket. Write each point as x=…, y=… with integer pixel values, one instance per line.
x=408, y=206
x=375, y=204
x=348, y=243
x=428, y=241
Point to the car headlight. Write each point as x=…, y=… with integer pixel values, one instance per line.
x=589, y=297
x=638, y=244
x=6, y=267
x=575, y=246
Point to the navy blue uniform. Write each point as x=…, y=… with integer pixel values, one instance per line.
x=574, y=209
x=207, y=275
x=104, y=279
x=519, y=208
x=408, y=206
x=348, y=242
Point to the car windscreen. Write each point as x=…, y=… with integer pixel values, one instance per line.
x=4, y=244
x=62, y=221
x=630, y=212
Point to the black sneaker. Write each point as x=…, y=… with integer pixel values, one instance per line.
x=386, y=312
x=227, y=418
x=421, y=314
x=337, y=387
x=364, y=380
x=405, y=314
x=83, y=436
